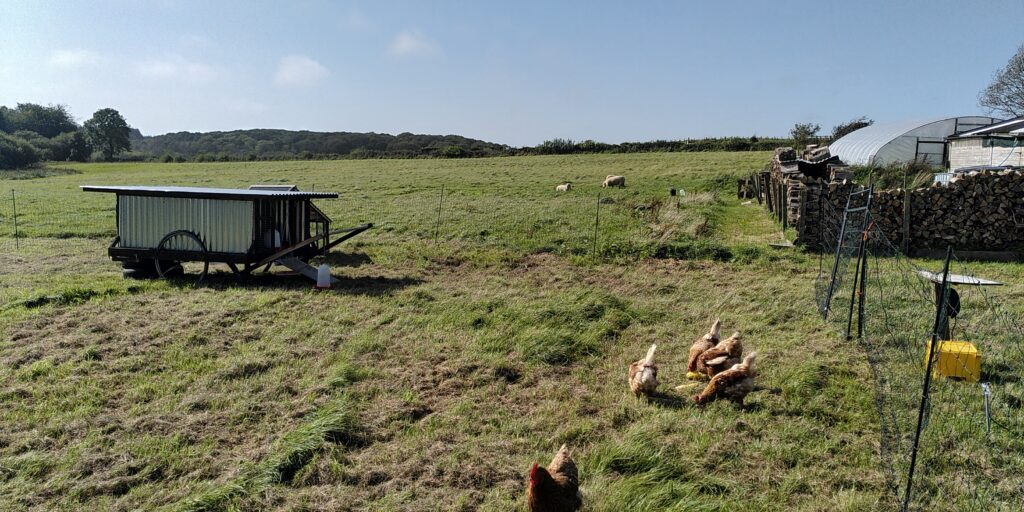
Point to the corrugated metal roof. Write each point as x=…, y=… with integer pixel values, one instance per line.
x=210, y=193
x=1015, y=125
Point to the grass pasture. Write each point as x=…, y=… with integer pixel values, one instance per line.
x=438, y=371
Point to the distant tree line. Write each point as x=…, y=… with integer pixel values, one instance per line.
x=31, y=133
x=242, y=145
x=289, y=145
x=567, y=146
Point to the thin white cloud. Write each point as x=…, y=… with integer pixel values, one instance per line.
x=356, y=20
x=412, y=43
x=299, y=70
x=244, y=106
x=73, y=58
x=176, y=67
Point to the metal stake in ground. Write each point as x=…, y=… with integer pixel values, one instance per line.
x=940, y=313
x=440, y=201
x=14, y=205
x=988, y=417
x=855, y=291
x=597, y=222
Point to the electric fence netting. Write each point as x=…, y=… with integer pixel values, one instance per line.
x=951, y=420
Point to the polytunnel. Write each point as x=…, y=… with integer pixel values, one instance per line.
x=901, y=142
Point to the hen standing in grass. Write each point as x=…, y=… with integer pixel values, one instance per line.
x=557, y=488
x=722, y=356
x=734, y=384
x=695, y=368
x=643, y=374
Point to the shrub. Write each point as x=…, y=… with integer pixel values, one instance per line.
x=16, y=153
x=453, y=152
x=71, y=146
x=917, y=174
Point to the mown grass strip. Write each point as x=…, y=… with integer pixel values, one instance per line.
x=336, y=423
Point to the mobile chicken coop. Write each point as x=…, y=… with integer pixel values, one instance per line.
x=158, y=228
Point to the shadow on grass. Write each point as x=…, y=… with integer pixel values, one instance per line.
x=345, y=259
x=369, y=286
x=671, y=400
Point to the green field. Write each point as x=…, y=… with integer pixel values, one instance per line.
x=452, y=356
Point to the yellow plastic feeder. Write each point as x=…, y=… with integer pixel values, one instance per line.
x=956, y=359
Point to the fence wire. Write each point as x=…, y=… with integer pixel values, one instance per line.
x=970, y=448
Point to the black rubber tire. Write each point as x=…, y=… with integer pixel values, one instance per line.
x=138, y=265
x=139, y=273
x=172, y=269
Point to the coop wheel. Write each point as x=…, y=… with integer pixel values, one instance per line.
x=138, y=273
x=143, y=269
x=169, y=268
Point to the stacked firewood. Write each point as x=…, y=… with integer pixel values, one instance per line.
x=979, y=211
x=983, y=210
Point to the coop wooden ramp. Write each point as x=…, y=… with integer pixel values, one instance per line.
x=301, y=267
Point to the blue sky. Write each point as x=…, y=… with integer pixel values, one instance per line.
x=511, y=72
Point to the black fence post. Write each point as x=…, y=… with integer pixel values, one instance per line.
x=14, y=206
x=855, y=289
x=862, y=294
x=940, y=314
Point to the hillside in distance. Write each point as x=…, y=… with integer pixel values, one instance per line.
x=275, y=144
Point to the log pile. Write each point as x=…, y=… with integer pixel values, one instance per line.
x=980, y=211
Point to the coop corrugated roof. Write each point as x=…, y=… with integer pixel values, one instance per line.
x=207, y=193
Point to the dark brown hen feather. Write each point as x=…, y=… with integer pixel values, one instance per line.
x=556, y=488
x=733, y=384
x=711, y=360
x=702, y=344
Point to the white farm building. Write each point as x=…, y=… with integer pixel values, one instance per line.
x=996, y=145
x=894, y=143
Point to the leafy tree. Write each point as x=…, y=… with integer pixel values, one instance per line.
x=802, y=133
x=851, y=126
x=16, y=153
x=71, y=146
x=5, y=114
x=108, y=132
x=1005, y=95
x=556, y=147
x=48, y=121
x=453, y=152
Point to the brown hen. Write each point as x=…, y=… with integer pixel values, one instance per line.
x=556, y=488
x=733, y=384
x=722, y=356
x=643, y=374
x=702, y=344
